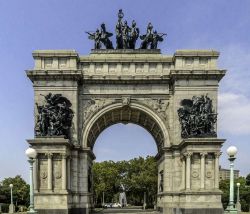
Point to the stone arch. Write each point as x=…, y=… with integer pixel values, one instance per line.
x=133, y=113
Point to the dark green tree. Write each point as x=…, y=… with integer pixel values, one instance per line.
x=138, y=175
x=248, y=180
x=20, y=191
x=244, y=193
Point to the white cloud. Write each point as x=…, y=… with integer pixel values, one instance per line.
x=235, y=58
x=234, y=114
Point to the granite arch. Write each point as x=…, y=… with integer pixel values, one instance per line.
x=134, y=113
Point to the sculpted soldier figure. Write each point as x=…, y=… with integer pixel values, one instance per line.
x=156, y=38
x=96, y=37
x=134, y=34
x=197, y=117
x=125, y=35
x=54, y=118
x=147, y=38
x=151, y=38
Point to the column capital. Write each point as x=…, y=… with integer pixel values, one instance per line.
x=217, y=154
x=49, y=155
x=188, y=154
x=203, y=154
x=64, y=156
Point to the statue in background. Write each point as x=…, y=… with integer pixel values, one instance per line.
x=122, y=197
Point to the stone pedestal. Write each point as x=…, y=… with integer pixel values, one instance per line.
x=11, y=208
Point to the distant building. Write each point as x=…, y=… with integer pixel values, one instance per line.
x=225, y=174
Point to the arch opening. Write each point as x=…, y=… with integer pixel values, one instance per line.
x=126, y=115
x=124, y=142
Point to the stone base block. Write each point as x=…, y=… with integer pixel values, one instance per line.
x=64, y=211
x=200, y=211
x=12, y=208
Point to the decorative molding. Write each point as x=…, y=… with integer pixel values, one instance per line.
x=195, y=174
x=126, y=101
x=160, y=106
x=217, y=154
x=49, y=155
x=44, y=175
x=93, y=105
x=209, y=174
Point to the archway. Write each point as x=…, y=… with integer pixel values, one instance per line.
x=132, y=113
x=143, y=87
x=128, y=151
x=129, y=113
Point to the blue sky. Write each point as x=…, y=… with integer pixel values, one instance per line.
x=28, y=25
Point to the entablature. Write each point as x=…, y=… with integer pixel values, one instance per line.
x=127, y=65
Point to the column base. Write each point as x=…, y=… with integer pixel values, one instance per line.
x=32, y=212
x=12, y=208
x=231, y=211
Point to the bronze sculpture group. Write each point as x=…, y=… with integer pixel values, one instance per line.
x=126, y=36
x=197, y=117
x=54, y=118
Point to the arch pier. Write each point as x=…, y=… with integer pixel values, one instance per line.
x=173, y=97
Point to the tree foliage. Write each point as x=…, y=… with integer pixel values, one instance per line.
x=138, y=175
x=20, y=191
x=244, y=192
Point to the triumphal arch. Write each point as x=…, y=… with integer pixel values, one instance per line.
x=174, y=97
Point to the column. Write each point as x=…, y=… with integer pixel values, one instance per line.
x=203, y=155
x=216, y=170
x=64, y=172
x=49, y=171
x=35, y=174
x=68, y=172
x=188, y=169
x=183, y=173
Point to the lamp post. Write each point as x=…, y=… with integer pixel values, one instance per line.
x=31, y=154
x=238, y=205
x=11, y=207
x=231, y=151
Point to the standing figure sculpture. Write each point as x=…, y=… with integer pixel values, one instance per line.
x=134, y=34
x=125, y=35
x=148, y=37
x=96, y=37
x=118, y=30
x=105, y=37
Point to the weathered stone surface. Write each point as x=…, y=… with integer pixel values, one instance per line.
x=138, y=86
